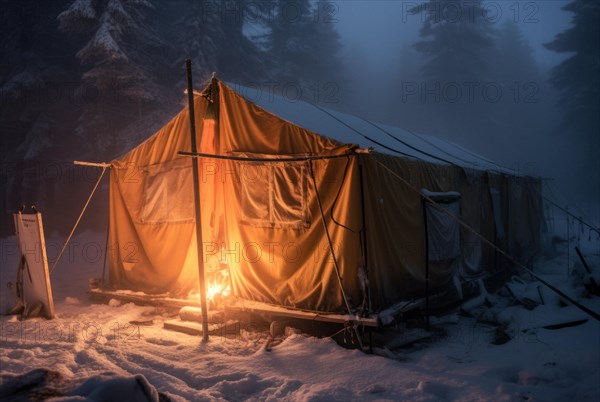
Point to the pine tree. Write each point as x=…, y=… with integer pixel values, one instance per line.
x=578, y=80
x=304, y=48
x=238, y=57
x=454, y=39
x=198, y=36
x=35, y=99
x=212, y=34
x=286, y=42
x=408, y=109
x=30, y=44
x=119, y=81
x=510, y=45
x=454, y=36
x=329, y=72
x=520, y=82
x=578, y=77
x=514, y=124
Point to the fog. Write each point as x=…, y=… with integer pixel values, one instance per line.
x=366, y=25
x=376, y=35
x=89, y=80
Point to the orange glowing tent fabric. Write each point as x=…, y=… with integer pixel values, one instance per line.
x=261, y=220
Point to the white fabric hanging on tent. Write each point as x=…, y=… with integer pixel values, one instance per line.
x=497, y=207
x=443, y=231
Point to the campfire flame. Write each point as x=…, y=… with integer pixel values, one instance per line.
x=217, y=286
x=215, y=289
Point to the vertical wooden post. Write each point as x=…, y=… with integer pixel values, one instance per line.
x=363, y=232
x=201, y=278
x=424, y=204
x=568, y=243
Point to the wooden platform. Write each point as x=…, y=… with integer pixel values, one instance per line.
x=236, y=305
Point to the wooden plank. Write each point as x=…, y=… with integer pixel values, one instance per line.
x=93, y=164
x=566, y=324
x=195, y=328
x=191, y=313
x=187, y=327
x=257, y=307
x=388, y=315
x=143, y=299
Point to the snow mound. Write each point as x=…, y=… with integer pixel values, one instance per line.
x=111, y=387
x=45, y=384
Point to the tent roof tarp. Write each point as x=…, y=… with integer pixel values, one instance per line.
x=383, y=138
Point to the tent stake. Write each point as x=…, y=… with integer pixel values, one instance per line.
x=201, y=278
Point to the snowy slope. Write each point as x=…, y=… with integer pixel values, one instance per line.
x=126, y=361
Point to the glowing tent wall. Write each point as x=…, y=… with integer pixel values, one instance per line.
x=263, y=218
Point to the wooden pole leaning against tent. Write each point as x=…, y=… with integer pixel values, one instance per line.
x=195, y=175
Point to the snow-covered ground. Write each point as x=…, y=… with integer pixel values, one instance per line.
x=93, y=351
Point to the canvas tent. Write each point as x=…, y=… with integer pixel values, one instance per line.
x=300, y=214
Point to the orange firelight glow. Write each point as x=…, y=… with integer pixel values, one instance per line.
x=217, y=286
x=214, y=289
